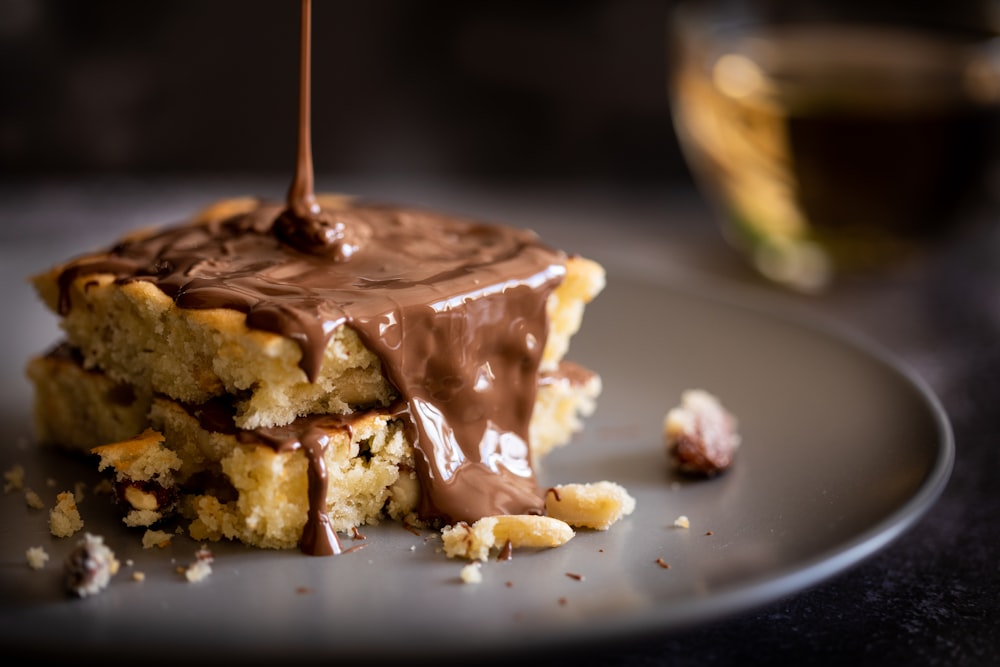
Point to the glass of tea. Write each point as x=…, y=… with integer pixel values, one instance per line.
x=835, y=136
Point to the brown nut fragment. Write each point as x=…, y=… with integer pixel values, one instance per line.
x=595, y=505
x=143, y=482
x=474, y=542
x=700, y=434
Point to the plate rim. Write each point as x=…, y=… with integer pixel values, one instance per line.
x=823, y=566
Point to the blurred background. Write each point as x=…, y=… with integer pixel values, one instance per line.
x=100, y=99
x=510, y=90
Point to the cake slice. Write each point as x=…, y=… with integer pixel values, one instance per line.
x=381, y=362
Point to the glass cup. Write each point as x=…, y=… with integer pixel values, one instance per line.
x=835, y=136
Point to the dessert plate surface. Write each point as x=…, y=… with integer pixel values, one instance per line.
x=843, y=449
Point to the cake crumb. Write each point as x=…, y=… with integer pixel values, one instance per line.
x=64, y=518
x=33, y=500
x=682, y=522
x=475, y=541
x=13, y=478
x=596, y=505
x=156, y=538
x=90, y=566
x=138, y=576
x=197, y=571
x=202, y=566
x=37, y=557
x=472, y=573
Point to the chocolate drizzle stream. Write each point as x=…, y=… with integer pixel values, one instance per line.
x=301, y=197
x=304, y=224
x=455, y=309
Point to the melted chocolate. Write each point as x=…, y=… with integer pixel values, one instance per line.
x=301, y=198
x=455, y=309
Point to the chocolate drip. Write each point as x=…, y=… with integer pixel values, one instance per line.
x=311, y=434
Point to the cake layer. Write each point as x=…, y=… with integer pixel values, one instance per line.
x=253, y=485
x=126, y=325
x=456, y=328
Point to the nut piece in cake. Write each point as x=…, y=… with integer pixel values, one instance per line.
x=144, y=469
x=701, y=436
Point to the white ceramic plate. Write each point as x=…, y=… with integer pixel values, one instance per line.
x=843, y=450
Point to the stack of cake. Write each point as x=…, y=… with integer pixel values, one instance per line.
x=277, y=388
